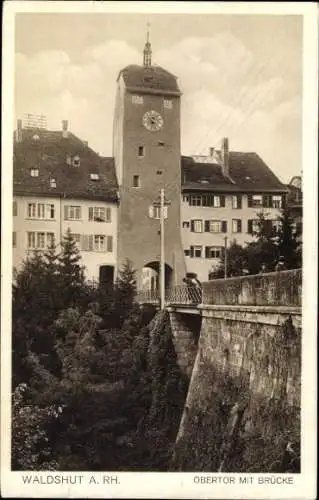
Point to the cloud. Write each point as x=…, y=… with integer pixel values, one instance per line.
x=224, y=92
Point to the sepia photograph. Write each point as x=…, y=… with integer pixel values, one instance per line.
x=156, y=277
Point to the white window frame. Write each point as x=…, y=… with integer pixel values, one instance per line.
x=234, y=225
x=199, y=249
x=213, y=223
x=214, y=249
x=40, y=240
x=99, y=243
x=168, y=103
x=216, y=201
x=137, y=99
x=31, y=240
x=197, y=198
x=32, y=210
x=73, y=211
x=276, y=200
x=198, y=226
x=34, y=172
x=234, y=201
x=255, y=198
x=50, y=236
x=53, y=182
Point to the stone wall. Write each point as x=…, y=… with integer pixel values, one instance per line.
x=185, y=331
x=279, y=288
x=242, y=411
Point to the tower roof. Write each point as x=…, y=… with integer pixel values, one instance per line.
x=149, y=77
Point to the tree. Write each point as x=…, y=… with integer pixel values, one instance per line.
x=124, y=293
x=288, y=246
x=237, y=261
x=71, y=273
x=262, y=254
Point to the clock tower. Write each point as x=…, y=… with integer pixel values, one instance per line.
x=146, y=149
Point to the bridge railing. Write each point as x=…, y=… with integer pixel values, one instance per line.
x=282, y=288
x=179, y=294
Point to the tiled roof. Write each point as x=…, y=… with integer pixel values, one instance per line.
x=49, y=154
x=247, y=172
x=151, y=77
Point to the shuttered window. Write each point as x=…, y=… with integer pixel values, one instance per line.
x=236, y=202
x=109, y=244
x=72, y=212
x=100, y=214
x=14, y=208
x=197, y=226
x=236, y=225
x=213, y=252
x=196, y=251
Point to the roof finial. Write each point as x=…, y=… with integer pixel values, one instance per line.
x=147, y=59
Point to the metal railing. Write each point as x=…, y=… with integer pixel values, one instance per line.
x=179, y=294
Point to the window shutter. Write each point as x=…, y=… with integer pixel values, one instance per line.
x=206, y=228
x=207, y=252
x=239, y=202
x=108, y=214
x=90, y=246
x=250, y=226
x=191, y=251
x=250, y=200
x=84, y=243
x=66, y=210
x=224, y=226
x=192, y=225
x=222, y=201
x=90, y=213
x=151, y=212
x=109, y=244
x=239, y=226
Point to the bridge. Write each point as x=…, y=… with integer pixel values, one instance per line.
x=238, y=341
x=281, y=288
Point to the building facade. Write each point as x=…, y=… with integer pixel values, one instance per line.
x=294, y=203
x=60, y=184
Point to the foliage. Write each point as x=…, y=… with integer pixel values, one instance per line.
x=31, y=449
x=263, y=253
x=287, y=241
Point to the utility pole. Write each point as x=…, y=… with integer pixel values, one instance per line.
x=225, y=260
x=162, y=263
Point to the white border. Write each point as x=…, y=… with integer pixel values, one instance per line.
x=172, y=485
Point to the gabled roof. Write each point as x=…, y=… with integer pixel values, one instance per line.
x=49, y=153
x=149, y=77
x=247, y=172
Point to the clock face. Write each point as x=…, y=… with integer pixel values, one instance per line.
x=153, y=121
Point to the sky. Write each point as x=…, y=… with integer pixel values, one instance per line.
x=240, y=75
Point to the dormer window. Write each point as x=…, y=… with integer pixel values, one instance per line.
x=52, y=182
x=34, y=172
x=76, y=161
x=94, y=177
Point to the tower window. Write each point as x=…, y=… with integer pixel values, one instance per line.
x=76, y=161
x=137, y=99
x=94, y=177
x=168, y=104
x=136, y=181
x=141, y=151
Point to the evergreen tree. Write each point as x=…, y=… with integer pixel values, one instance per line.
x=288, y=246
x=71, y=273
x=124, y=293
x=262, y=254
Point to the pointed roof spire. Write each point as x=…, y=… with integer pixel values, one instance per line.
x=147, y=53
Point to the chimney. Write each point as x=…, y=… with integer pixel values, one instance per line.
x=19, y=131
x=225, y=156
x=65, y=129
x=211, y=152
